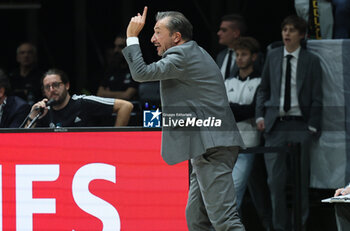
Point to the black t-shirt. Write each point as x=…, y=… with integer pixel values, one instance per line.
x=29, y=87
x=117, y=76
x=81, y=111
x=119, y=81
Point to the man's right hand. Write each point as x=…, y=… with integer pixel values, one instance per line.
x=342, y=191
x=261, y=125
x=36, y=108
x=136, y=24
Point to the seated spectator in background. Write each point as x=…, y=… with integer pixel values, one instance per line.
x=75, y=111
x=289, y=110
x=231, y=28
x=342, y=210
x=13, y=109
x=341, y=19
x=319, y=15
x=25, y=80
x=117, y=82
x=241, y=91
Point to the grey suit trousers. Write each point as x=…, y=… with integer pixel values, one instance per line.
x=212, y=200
x=285, y=132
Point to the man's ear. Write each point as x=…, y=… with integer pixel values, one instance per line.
x=254, y=56
x=2, y=92
x=237, y=33
x=67, y=86
x=177, y=37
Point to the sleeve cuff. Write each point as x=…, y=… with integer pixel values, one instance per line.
x=312, y=129
x=259, y=119
x=132, y=41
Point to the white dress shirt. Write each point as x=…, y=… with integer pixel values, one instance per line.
x=224, y=63
x=294, y=104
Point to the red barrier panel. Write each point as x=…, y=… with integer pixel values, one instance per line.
x=90, y=181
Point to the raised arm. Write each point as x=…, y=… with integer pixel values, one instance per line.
x=136, y=24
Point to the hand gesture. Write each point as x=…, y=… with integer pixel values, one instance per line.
x=342, y=191
x=136, y=24
x=39, y=106
x=261, y=125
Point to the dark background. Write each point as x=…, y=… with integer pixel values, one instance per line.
x=74, y=34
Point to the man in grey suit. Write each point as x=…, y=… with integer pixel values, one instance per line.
x=193, y=97
x=288, y=109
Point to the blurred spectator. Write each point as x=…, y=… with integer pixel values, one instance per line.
x=25, y=80
x=75, y=111
x=319, y=15
x=241, y=91
x=341, y=19
x=289, y=109
x=117, y=81
x=231, y=28
x=13, y=109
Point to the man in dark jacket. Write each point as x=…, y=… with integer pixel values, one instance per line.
x=13, y=109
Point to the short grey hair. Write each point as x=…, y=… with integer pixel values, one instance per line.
x=177, y=23
x=27, y=43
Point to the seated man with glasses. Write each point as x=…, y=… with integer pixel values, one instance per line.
x=75, y=110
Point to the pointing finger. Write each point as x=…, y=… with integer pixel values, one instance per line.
x=144, y=14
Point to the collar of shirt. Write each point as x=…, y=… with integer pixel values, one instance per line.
x=233, y=56
x=295, y=53
x=233, y=52
x=252, y=75
x=2, y=108
x=3, y=104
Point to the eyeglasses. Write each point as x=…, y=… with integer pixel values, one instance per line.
x=54, y=85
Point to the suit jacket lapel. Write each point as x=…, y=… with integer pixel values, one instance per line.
x=277, y=62
x=4, y=115
x=221, y=57
x=234, y=69
x=302, y=63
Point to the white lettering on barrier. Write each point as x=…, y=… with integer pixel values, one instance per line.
x=26, y=205
x=91, y=203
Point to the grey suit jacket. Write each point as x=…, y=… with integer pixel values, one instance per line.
x=309, y=90
x=190, y=84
